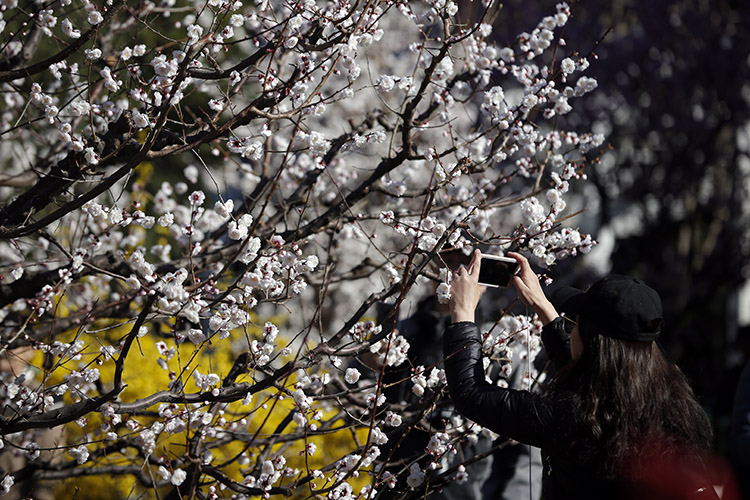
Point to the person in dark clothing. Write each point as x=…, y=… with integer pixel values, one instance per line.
x=616, y=409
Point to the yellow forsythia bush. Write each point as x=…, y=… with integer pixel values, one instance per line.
x=143, y=377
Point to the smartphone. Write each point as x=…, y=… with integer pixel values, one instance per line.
x=497, y=271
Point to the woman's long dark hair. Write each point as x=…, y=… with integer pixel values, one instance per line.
x=625, y=396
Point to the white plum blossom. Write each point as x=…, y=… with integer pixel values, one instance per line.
x=494, y=102
x=443, y=292
x=110, y=81
x=461, y=475
x=163, y=66
x=164, y=472
x=352, y=375
x=205, y=382
x=250, y=252
x=396, y=188
x=196, y=336
x=140, y=119
x=393, y=419
x=47, y=20
x=92, y=54
x=197, y=198
x=533, y=211
x=166, y=220
x=385, y=83
x=506, y=54
x=69, y=30
x=140, y=265
x=17, y=272
x=416, y=476
x=194, y=32
x=191, y=173
x=302, y=400
x=95, y=17
x=247, y=149
x=567, y=66
x=224, y=209
x=80, y=454
x=585, y=85
x=238, y=229
x=178, y=477
x=90, y=156
x=379, y=437
x=393, y=349
x=7, y=483
x=439, y=443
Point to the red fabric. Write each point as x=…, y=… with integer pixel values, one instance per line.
x=684, y=477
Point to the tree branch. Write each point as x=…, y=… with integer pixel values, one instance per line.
x=68, y=413
x=74, y=47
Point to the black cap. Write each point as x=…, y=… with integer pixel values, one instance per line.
x=623, y=307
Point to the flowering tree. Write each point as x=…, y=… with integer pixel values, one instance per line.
x=206, y=200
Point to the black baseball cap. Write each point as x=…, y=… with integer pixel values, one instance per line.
x=622, y=307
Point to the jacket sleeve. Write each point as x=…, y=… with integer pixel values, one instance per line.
x=519, y=415
x=557, y=342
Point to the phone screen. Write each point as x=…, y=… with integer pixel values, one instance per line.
x=496, y=272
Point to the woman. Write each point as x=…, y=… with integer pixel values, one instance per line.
x=616, y=413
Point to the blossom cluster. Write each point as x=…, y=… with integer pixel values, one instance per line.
x=226, y=190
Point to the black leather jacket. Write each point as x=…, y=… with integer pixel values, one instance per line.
x=522, y=415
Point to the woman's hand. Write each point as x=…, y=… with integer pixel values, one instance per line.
x=466, y=291
x=530, y=291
